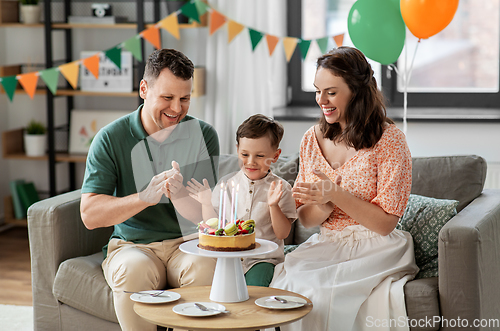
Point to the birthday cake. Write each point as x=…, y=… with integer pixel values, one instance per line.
x=237, y=236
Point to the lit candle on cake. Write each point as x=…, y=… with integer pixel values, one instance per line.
x=236, y=203
x=224, y=209
x=220, y=205
x=232, y=205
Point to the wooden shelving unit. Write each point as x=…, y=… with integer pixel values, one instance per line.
x=9, y=213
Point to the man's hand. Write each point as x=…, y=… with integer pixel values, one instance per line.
x=200, y=192
x=174, y=181
x=274, y=194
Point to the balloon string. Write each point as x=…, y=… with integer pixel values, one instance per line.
x=406, y=81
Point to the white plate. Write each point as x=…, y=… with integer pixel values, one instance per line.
x=271, y=303
x=146, y=297
x=189, y=309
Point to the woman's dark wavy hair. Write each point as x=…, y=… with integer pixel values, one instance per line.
x=365, y=114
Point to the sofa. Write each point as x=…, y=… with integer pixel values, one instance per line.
x=70, y=292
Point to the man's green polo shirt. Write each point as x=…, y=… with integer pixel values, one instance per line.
x=122, y=159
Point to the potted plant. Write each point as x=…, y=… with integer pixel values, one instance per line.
x=35, y=139
x=30, y=11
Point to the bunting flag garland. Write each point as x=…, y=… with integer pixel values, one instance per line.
x=9, y=84
x=339, y=39
x=153, y=36
x=233, y=29
x=171, y=24
x=190, y=10
x=28, y=82
x=290, y=44
x=255, y=37
x=50, y=77
x=272, y=41
x=115, y=55
x=304, y=47
x=323, y=44
x=133, y=45
x=70, y=71
x=216, y=21
x=92, y=64
x=193, y=9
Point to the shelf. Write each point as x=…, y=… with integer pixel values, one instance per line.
x=9, y=213
x=115, y=26
x=20, y=25
x=13, y=149
x=63, y=92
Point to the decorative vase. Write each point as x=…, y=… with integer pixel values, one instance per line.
x=31, y=14
x=35, y=144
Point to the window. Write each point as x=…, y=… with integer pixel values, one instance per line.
x=458, y=67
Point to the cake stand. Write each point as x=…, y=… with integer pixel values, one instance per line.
x=229, y=283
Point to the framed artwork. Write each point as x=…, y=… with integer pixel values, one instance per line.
x=85, y=124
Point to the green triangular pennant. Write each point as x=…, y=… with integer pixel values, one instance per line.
x=190, y=10
x=50, y=77
x=134, y=46
x=9, y=85
x=115, y=55
x=255, y=37
x=304, y=47
x=323, y=44
x=201, y=6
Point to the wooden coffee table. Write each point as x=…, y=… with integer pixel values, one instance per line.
x=244, y=315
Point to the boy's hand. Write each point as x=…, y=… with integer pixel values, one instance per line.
x=200, y=192
x=274, y=194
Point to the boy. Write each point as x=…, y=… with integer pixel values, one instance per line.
x=262, y=196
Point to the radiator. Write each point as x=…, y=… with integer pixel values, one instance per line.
x=493, y=176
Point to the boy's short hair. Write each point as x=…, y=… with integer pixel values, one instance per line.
x=257, y=126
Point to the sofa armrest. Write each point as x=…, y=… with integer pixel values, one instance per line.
x=56, y=233
x=469, y=261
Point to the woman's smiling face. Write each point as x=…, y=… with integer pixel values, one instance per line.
x=332, y=95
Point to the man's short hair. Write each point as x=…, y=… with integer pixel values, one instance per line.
x=178, y=63
x=257, y=126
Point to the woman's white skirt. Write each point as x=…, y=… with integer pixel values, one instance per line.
x=354, y=278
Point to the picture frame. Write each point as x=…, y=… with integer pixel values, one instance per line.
x=85, y=124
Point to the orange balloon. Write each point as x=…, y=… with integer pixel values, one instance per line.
x=425, y=18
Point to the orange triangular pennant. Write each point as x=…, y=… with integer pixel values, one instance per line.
x=153, y=36
x=339, y=39
x=171, y=24
x=272, y=41
x=233, y=29
x=28, y=82
x=216, y=21
x=92, y=64
x=289, y=43
x=70, y=72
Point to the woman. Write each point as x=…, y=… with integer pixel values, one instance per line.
x=354, y=181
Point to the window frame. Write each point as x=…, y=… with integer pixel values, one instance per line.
x=393, y=97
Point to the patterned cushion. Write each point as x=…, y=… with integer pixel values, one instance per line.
x=423, y=219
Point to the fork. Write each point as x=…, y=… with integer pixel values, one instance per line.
x=283, y=300
x=205, y=308
x=156, y=294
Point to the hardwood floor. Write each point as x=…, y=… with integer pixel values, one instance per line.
x=15, y=267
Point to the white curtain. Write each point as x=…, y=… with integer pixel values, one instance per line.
x=241, y=82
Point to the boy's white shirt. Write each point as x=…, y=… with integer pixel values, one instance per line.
x=252, y=204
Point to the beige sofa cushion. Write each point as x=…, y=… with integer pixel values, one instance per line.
x=422, y=303
x=80, y=283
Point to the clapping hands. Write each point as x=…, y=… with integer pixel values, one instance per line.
x=167, y=183
x=274, y=194
x=319, y=192
x=200, y=192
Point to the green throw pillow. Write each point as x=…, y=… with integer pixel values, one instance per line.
x=423, y=219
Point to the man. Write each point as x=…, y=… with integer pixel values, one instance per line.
x=127, y=185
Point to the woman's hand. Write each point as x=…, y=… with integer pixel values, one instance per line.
x=317, y=193
x=274, y=194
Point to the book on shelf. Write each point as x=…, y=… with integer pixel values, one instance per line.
x=19, y=211
x=27, y=194
x=96, y=20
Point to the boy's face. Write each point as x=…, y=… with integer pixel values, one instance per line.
x=256, y=156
